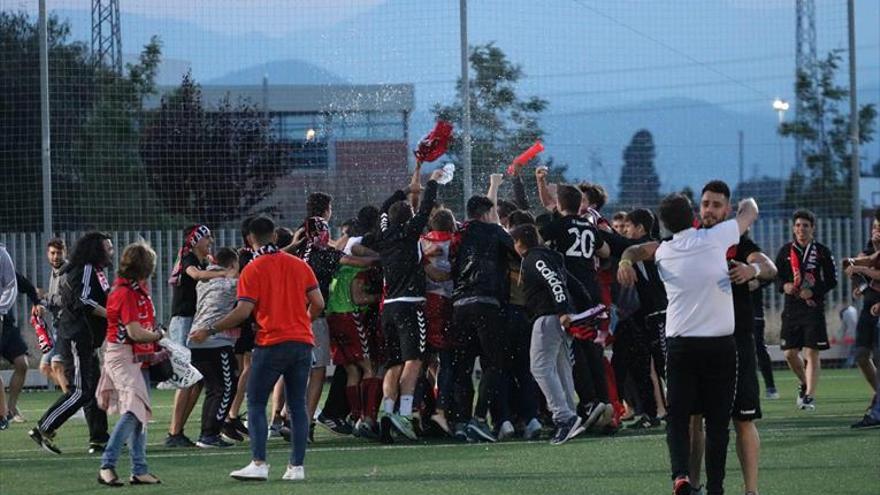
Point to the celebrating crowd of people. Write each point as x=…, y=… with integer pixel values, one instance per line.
x=405, y=302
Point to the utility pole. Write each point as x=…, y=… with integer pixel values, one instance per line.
x=45, y=145
x=855, y=167
x=106, y=34
x=466, y=105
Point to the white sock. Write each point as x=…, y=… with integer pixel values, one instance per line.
x=406, y=405
x=388, y=405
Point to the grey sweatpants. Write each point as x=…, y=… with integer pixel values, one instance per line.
x=550, y=358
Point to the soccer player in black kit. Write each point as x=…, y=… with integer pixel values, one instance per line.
x=403, y=315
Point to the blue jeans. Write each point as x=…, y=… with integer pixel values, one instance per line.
x=293, y=361
x=130, y=430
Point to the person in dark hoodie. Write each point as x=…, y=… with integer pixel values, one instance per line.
x=549, y=304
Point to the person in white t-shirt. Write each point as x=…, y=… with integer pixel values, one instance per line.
x=701, y=367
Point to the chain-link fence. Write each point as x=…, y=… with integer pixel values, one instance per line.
x=210, y=111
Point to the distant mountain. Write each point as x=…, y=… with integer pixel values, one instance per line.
x=291, y=71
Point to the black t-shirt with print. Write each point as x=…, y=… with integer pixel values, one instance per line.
x=183, y=296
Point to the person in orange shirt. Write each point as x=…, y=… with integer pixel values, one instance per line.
x=282, y=293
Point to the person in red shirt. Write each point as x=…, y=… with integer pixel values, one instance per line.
x=130, y=342
x=282, y=293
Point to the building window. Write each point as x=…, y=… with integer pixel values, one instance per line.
x=368, y=126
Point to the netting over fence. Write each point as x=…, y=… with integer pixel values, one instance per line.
x=226, y=108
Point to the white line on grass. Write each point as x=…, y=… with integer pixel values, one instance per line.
x=359, y=448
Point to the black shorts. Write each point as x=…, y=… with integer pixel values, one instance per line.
x=866, y=329
x=406, y=331
x=747, y=401
x=11, y=343
x=246, y=340
x=803, y=329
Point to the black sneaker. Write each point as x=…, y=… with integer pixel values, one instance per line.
x=802, y=392
x=480, y=431
x=591, y=413
x=96, y=448
x=4, y=424
x=239, y=426
x=809, y=403
x=459, y=432
x=385, y=428
x=284, y=431
x=212, y=442
x=230, y=434
x=567, y=430
x=645, y=422
x=334, y=425
x=44, y=440
x=866, y=423
x=311, y=437
x=179, y=440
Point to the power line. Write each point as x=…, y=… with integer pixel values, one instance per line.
x=672, y=49
x=632, y=109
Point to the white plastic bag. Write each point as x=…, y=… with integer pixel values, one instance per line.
x=185, y=374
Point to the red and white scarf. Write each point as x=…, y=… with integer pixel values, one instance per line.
x=195, y=235
x=264, y=250
x=804, y=276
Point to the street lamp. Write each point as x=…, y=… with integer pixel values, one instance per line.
x=781, y=106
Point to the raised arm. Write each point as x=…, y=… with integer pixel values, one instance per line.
x=746, y=214
x=417, y=223
x=546, y=196
x=415, y=186
x=492, y=193
x=519, y=192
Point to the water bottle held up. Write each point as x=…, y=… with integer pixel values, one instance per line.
x=448, y=172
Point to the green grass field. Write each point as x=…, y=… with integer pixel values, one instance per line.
x=803, y=453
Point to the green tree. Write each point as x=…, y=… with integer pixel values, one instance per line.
x=109, y=166
x=824, y=128
x=639, y=183
x=210, y=164
x=503, y=124
x=93, y=123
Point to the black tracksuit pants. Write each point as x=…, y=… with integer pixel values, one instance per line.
x=701, y=378
x=83, y=370
x=219, y=371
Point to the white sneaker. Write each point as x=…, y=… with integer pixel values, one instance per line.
x=294, y=473
x=252, y=472
x=165, y=386
x=506, y=430
x=79, y=414
x=533, y=429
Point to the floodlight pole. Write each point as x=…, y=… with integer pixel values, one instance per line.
x=45, y=128
x=466, y=106
x=855, y=167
